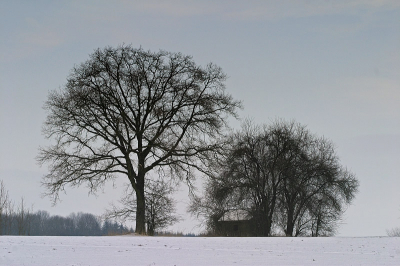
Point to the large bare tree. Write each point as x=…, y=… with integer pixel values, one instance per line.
x=316, y=188
x=128, y=111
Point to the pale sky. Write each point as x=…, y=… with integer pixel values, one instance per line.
x=331, y=65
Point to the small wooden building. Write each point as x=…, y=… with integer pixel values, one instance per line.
x=235, y=223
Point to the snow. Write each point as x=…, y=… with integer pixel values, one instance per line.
x=125, y=250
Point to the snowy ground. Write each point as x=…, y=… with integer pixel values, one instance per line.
x=125, y=250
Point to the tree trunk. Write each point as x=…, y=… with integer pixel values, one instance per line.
x=268, y=228
x=140, y=213
x=267, y=220
x=318, y=226
x=271, y=209
x=140, y=205
x=289, y=229
x=289, y=223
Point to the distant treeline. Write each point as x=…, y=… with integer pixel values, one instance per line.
x=41, y=223
x=21, y=220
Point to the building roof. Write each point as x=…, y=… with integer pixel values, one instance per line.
x=235, y=215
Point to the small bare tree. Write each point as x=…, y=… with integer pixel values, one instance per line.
x=9, y=215
x=4, y=205
x=395, y=232
x=212, y=206
x=23, y=218
x=160, y=206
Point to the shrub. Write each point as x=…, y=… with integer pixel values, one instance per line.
x=395, y=232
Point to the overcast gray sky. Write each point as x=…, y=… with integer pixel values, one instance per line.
x=331, y=65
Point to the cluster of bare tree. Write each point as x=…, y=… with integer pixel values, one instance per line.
x=138, y=114
x=283, y=177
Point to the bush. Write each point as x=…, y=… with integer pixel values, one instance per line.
x=395, y=232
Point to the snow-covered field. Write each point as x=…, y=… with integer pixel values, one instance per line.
x=126, y=250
